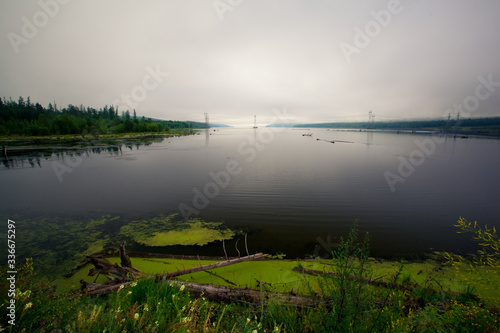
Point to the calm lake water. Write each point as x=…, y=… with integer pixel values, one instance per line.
x=294, y=194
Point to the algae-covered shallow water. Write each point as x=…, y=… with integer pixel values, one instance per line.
x=279, y=275
x=289, y=193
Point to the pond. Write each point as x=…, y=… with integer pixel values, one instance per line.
x=290, y=192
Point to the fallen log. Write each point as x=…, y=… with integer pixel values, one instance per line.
x=375, y=282
x=211, y=266
x=315, y=272
x=221, y=293
x=124, y=275
x=227, y=294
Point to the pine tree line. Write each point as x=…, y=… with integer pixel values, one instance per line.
x=32, y=119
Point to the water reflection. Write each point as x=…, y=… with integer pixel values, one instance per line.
x=30, y=155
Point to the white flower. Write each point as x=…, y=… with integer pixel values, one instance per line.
x=182, y=288
x=136, y=316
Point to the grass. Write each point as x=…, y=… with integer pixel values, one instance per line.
x=430, y=296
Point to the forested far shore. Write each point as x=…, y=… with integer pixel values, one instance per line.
x=25, y=118
x=481, y=125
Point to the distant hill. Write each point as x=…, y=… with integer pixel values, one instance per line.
x=186, y=124
x=491, y=122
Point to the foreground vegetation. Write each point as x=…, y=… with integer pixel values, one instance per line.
x=351, y=293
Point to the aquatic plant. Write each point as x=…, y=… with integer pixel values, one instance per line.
x=168, y=230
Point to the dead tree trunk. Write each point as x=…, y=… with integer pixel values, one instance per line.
x=211, y=266
x=125, y=260
x=222, y=293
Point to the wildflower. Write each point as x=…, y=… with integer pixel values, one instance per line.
x=276, y=329
x=133, y=284
x=28, y=305
x=136, y=316
x=248, y=320
x=146, y=308
x=129, y=293
x=173, y=297
x=182, y=288
x=121, y=287
x=156, y=322
x=254, y=331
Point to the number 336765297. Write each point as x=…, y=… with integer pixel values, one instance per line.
x=11, y=235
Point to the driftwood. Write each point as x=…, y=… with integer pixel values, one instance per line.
x=115, y=273
x=221, y=277
x=124, y=259
x=222, y=293
x=374, y=282
x=124, y=274
x=211, y=266
x=227, y=294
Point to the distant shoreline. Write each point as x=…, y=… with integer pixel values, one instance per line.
x=102, y=138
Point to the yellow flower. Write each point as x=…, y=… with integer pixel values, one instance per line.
x=133, y=284
x=136, y=316
x=28, y=305
x=182, y=288
x=121, y=287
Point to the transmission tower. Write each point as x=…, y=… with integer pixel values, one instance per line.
x=207, y=123
x=371, y=120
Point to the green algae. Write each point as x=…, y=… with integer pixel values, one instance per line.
x=279, y=276
x=59, y=245
x=167, y=230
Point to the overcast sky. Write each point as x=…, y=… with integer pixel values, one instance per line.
x=237, y=58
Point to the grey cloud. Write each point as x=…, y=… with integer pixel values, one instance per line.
x=264, y=54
